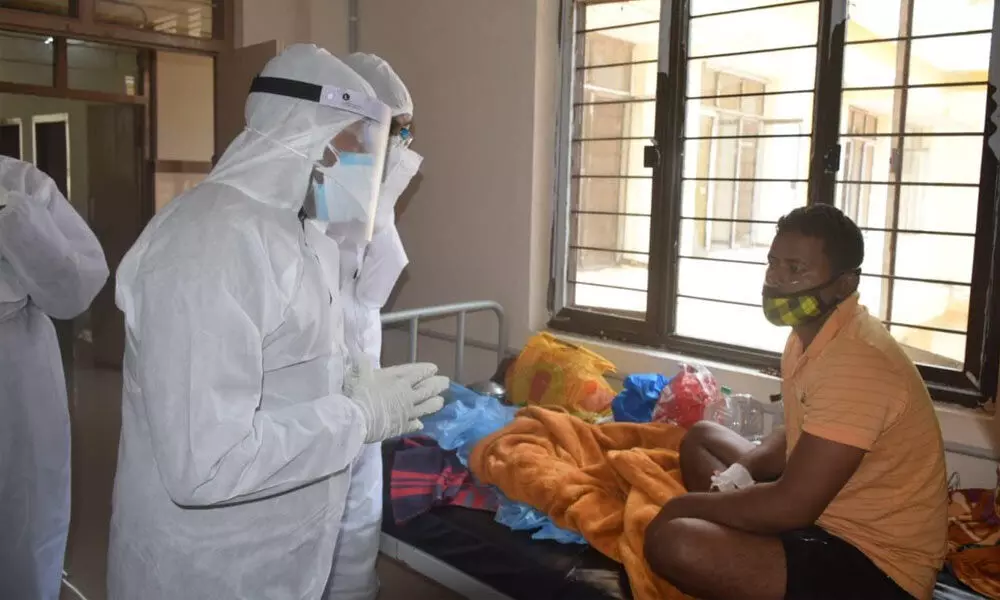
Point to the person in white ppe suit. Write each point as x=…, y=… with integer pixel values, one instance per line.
x=241, y=414
x=368, y=274
x=51, y=265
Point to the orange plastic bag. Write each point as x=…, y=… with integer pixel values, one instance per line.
x=551, y=372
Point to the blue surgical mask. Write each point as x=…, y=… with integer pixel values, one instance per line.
x=343, y=193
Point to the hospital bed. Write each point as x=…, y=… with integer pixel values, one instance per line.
x=466, y=551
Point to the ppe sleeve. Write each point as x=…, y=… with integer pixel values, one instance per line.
x=55, y=256
x=384, y=262
x=200, y=372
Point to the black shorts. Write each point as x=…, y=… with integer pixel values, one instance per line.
x=821, y=566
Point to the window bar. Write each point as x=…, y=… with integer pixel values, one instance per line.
x=828, y=82
x=630, y=63
x=752, y=52
x=581, y=25
x=896, y=166
x=752, y=8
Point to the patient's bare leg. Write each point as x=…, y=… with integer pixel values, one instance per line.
x=710, y=561
x=707, y=448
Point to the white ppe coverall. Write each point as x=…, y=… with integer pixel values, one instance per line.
x=51, y=265
x=237, y=431
x=368, y=275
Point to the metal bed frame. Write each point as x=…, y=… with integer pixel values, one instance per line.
x=460, y=311
x=420, y=561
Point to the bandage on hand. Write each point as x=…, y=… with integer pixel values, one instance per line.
x=736, y=477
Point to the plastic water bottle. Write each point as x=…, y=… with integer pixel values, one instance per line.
x=738, y=412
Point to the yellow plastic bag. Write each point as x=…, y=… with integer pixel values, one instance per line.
x=551, y=372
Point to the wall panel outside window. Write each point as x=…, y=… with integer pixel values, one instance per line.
x=738, y=108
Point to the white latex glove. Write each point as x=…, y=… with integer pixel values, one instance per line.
x=392, y=400
x=736, y=477
x=3, y=197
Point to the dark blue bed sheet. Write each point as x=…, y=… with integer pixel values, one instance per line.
x=525, y=569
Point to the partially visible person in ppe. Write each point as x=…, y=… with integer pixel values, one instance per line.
x=51, y=266
x=242, y=414
x=368, y=274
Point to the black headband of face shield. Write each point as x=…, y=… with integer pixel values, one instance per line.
x=291, y=88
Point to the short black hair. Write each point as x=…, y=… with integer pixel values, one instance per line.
x=842, y=240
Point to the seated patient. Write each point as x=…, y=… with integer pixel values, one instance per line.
x=850, y=500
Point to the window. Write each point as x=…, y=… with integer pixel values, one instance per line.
x=685, y=145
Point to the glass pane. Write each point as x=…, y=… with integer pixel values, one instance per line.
x=615, y=46
x=608, y=280
x=873, y=20
x=946, y=209
x=26, y=59
x=614, y=195
x=102, y=68
x=717, y=280
x=939, y=208
x=871, y=65
x=931, y=305
x=623, y=81
x=871, y=290
x=786, y=114
x=773, y=158
x=614, y=119
x=729, y=324
x=947, y=16
x=942, y=159
x=937, y=257
x=616, y=158
x=778, y=27
x=945, y=109
x=783, y=70
x=953, y=59
x=51, y=7
x=778, y=198
x=190, y=18
x=616, y=232
x=704, y=7
x=951, y=109
x=935, y=348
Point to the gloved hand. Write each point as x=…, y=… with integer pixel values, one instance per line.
x=392, y=400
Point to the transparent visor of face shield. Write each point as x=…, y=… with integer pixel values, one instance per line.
x=351, y=172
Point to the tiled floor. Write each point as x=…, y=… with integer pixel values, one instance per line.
x=96, y=410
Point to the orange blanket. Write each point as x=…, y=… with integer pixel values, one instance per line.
x=606, y=482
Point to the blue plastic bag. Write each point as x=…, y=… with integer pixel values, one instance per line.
x=466, y=418
x=521, y=517
x=637, y=400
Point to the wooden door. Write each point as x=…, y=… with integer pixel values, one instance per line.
x=116, y=212
x=234, y=72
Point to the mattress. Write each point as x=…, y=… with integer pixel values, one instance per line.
x=525, y=569
x=508, y=561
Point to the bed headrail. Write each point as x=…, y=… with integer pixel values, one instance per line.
x=460, y=311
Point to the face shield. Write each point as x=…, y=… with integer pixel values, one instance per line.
x=349, y=170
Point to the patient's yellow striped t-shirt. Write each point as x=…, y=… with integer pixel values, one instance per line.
x=855, y=385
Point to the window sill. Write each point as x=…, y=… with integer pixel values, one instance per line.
x=966, y=431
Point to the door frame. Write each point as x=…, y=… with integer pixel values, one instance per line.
x=9, y=121
x=63, y=118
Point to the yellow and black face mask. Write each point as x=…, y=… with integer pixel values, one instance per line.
x=794, y=310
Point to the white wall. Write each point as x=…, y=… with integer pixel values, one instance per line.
x=483, y=77
x=322, y=22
